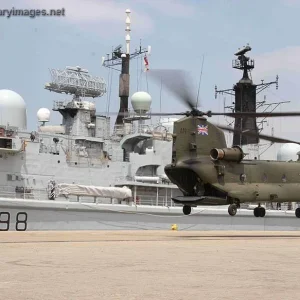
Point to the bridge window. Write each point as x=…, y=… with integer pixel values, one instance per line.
x=6, y=143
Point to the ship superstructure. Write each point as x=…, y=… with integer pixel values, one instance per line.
x=87, y=173
x=82, y=150
x=244, y=97
x=64, y=160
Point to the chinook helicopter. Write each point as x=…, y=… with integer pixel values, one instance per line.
x=208, y=172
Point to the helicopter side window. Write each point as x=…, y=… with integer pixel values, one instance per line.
x=243, y=177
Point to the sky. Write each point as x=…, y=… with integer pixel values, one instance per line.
x=181, y=35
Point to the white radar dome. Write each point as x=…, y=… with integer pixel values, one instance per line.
x=288, y=152
x=141, y=102
x=12, y=109
x=43, y=115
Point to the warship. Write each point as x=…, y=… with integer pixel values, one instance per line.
x=85, y=174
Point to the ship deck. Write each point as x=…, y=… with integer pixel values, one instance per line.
x=149, y=265
x=38, y=215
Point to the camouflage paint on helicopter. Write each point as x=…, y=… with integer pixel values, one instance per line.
x=209, y=173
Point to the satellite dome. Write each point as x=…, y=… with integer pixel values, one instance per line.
x=43, y=115
x=141, y=102
x=288, y=152
x=12, y=109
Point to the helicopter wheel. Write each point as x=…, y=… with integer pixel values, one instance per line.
x=262, y=212
x=256, y=212
x=186, y=209
x=297, y=212
x=232, y=209
x=259, y=212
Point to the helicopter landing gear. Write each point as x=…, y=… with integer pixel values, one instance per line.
x=232, y=209
x=297, y=212
x=186, y=209
x=259, y=211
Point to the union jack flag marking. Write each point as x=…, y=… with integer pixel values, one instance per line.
x=203, y=129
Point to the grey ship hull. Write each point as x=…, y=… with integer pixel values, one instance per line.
x=62, y=215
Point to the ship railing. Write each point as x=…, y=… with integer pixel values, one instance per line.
x=141, y=199
x=132, y=128
x=142, y=128
x=128, y=179
x=151, y=200
x=60, y=104
x=13, y=192
x=42, y=194
x=124, y=129
x=238, y=64
x=66, y=104
x=149, y=129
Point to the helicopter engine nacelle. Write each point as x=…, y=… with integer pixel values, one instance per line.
x=228, y=154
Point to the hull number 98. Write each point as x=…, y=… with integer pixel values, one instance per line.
x=20, y=221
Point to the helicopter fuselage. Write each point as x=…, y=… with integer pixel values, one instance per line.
x=209, y=173
x=216, y=183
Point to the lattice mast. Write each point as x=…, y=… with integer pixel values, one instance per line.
x=245, y=97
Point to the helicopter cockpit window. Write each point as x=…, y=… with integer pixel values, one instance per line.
x=283, y=178
x=243, y=177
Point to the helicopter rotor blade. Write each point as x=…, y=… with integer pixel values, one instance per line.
x=258, y=114
x=209, y=114
x=176, y=82
x=269, y=138
x=127, y=114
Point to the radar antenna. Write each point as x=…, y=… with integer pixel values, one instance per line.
x=243, y=62
x=76, y=81
x=115, y=58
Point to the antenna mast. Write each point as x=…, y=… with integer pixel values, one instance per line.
x=245, y=93
x=119, y=58
x=198, y=92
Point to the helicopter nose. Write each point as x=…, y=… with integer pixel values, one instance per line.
x=182, y=176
